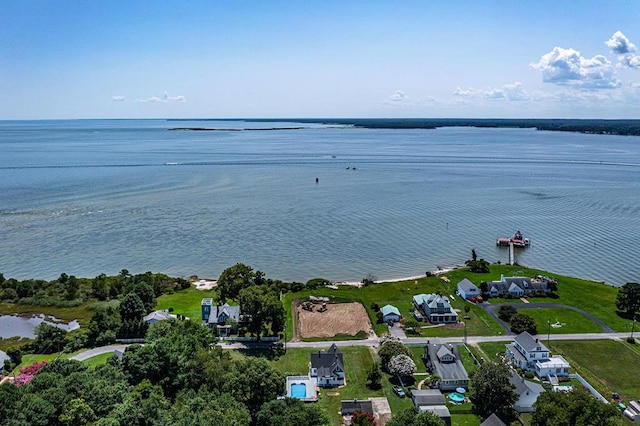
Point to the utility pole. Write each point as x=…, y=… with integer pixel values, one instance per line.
x=633, y=326
x=548, y=330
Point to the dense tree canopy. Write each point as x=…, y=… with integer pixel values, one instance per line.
x=413, y=417
x=291, y=412
x=575, y=408
x=234, y=279
x=402, y=365
x=390, y=349
x=492, y=392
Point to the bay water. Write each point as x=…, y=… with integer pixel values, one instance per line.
x=96, y=196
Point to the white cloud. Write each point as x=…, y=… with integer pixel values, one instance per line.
x=621, y=46
x=508, y=92
x=117, y=98
x=399, y=99
x=398, y=96
x=568, y=67
x=164, y=99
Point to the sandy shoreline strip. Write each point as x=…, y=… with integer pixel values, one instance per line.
x=437, y=272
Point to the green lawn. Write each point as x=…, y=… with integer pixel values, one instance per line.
x=610, y=366
x=94, y=361
x=400, y=295
x=574, y=322
x=594, y=297
x=185, y=302
x=490, y=351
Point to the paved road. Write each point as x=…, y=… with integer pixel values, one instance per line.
x=98, y=351
x=491, y=309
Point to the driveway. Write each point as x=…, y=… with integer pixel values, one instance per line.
x=98, y=351
x=491, y=309
x=396, y=330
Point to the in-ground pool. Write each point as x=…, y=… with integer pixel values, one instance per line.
x=298, y=390
x=456, y=398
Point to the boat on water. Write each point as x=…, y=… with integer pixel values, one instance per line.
x=517, y=239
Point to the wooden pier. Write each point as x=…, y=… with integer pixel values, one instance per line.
x=512, y=255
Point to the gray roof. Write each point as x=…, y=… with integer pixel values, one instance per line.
x=516, y=353
x=530, y=343
x=493, y=420
x=466, y=285
x=158, y=316
x=521, y=386
x=427, y=397
x=232, y=312
x=328, y=363
x=446, y=370
x=439, y=410
x=352, y=405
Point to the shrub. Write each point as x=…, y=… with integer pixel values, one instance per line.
x=529, y=375
x=631, y=340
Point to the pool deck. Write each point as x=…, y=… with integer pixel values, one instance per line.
x=310, y=387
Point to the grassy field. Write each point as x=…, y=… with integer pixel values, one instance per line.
x=94, y=361
x=400, y=295
x=185, y=302
x=596, y=298
x=489, y=351
x=610, y=366
x=574, y=322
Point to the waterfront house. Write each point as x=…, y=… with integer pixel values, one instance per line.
x=467, y=289
x=390, y=313
x=328, y=367
x=529, y=354
x=431, y=400
x=436, y=307
x=223, y=318
x=443, y=359
x=518, y=286
x=528, y=392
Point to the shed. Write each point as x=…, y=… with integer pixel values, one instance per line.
x=390, y=313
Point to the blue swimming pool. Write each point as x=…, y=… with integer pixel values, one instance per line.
x=298, y=390
x=456, y=398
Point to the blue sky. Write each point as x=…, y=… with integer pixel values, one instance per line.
x=134, y=59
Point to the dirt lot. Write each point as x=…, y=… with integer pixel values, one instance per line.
x=340, y=318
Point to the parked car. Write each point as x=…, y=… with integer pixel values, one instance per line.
x=398, y=390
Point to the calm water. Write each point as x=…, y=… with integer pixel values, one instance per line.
x=86, y=197
x=13, y=325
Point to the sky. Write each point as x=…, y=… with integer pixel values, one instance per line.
x=274, y=59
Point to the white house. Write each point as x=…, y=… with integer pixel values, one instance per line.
x=328, y=367
x=528, y=392
x=390, y=313
x=467, y=289
x=529, y=354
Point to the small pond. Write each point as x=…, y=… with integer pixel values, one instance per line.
x=13, y=325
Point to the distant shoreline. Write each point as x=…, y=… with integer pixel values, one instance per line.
x=587, y=126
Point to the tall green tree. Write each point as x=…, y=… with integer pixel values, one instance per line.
x=263, y=306
x=492, y=392
x=389, y=349
x=204, y=408
x=523, y=322
x=49, y=339
x=132, y=308
x=374, y=376
x=628, y=300
x=234, y=279
x=253, y=381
